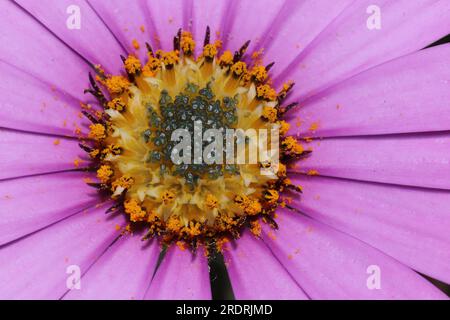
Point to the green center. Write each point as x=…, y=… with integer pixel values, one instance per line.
x=191, y=106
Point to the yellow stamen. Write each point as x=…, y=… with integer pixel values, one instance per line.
x=284, y=127
x=97, y=131
x=291, y=145
x=281, y=170
x=168, y=58
x=135, y=211
x=270, y=113
x=132, y=65
x=117, y=84
x=94, y=153
x=211, y=201
x=125, y=182
x=239, y=68
x=209, y=51
x=272, y=196
x=266, y=92
x=226, y=59
x=250, y=206
x=260, y=73
x=187, y=43
x=151, y=67
x=168, y=197
x=255, y=228
x=104, y=173
x=116, y=104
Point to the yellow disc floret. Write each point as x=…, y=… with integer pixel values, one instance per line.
x=211, y=201
x=130, y=147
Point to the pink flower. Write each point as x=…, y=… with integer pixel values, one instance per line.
x=374, y=107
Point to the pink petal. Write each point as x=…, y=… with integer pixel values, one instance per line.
x=247, y=20
x=181, y=276
x=408, y=224
x=34, y=50
x=28, y=154
x=160, y=20
x=347, y=47
x=37, y=266
x=409, y=94
x=293, y=28
x=271, y=281
x=93, y=41
x=31, y=105
x=413, y=160
x=126, y=19
x=124, y=271
x=29, y=204
x=207, y=13
x=331, y=265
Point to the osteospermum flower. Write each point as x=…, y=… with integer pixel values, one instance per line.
x=92, y=91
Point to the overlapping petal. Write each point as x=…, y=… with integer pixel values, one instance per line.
x=331, y=265
x=44, y=265
x=25, y=154
x=181, y=276
x=123, y=272
x=347, y=46
x=409, y=224
x=255, y=273
x=420, y=160
x=30, y=47
x=407, y=95
x=91, y=39
x=29, y=204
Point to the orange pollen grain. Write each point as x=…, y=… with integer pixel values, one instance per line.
x=136, y=44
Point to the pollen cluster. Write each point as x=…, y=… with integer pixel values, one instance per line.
x=130, y=141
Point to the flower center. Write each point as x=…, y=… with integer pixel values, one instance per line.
x=191, y=185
